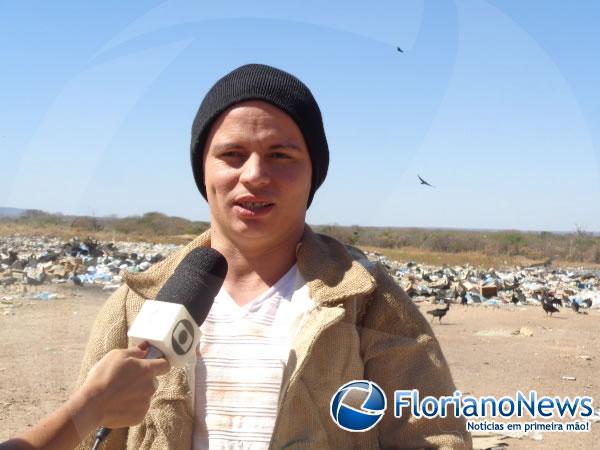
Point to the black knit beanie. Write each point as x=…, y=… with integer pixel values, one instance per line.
x=281, y=89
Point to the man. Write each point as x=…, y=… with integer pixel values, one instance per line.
x=297, y=317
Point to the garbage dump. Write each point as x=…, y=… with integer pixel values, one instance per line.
x=42, y=261
x=570, y=287
x=28, y=261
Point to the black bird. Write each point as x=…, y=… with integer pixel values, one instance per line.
x=554, y=300
x=576, y=306
x=399, y=49
x=548, y=306
x=424, y=182
x=587, y=302
x=515, y=298
x=463, y=298
x=439, y=312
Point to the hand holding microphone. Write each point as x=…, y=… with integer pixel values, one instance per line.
x=119, y=387
x=170, y=323
x=116, y=392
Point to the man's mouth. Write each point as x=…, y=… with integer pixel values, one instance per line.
x=254, y=206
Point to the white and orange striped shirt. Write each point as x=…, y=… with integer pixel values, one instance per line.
x=241, y=357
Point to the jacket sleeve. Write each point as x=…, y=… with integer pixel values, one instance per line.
x=400, y=352
x=108, y=332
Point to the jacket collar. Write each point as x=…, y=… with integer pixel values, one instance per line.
x=330, y=272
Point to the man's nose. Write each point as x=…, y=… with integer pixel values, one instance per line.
x=255, y=170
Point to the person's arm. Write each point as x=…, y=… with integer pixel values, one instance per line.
x=401, y=353
x=115, y=394
x=108, y=332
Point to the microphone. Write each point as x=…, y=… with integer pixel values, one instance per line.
x=169, y=324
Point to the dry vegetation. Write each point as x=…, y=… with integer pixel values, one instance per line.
x=434, y=246
x=451, y=259
x=485, y=248
x=151, y=227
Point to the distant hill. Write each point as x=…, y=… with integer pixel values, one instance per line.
x=10, y=212
x=150, y=227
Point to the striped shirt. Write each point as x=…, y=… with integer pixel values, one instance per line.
x=241, y=356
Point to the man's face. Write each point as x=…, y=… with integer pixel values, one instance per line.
x=257, y=173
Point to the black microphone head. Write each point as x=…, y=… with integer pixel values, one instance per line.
x=195, y=282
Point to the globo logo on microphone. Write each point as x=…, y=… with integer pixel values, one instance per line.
x=182, y=337
x=168, y=327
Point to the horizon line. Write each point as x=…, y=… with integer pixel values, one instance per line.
x=438, y=228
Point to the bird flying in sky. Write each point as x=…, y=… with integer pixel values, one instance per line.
x=424, y=182
x=399, y=49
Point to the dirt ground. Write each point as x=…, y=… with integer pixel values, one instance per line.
x=43, y=341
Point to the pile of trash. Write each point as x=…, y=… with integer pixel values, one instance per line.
x=518, y=285
x=38, y=261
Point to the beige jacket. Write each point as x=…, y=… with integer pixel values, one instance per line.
x=364, y=327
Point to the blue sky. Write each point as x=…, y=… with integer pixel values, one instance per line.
x=496, y=103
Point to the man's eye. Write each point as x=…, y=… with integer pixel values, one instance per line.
x=279, y=155
x=232, y=154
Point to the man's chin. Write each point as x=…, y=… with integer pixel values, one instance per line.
x=254, y=230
